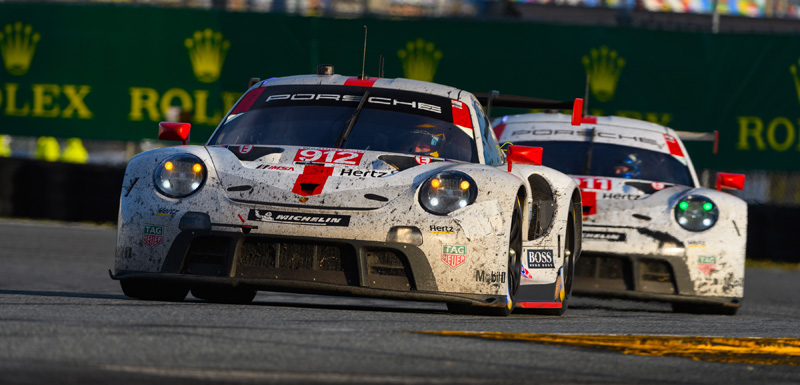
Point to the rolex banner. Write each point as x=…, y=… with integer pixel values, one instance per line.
x=114, y=72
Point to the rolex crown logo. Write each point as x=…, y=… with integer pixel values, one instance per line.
x=603, y=67
x=793, y=70
x=420, y=59
x=207, y=52
x=17, y=44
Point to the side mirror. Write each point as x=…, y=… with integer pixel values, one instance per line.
x=730, y=181
x=178, y=132
x=523, y=155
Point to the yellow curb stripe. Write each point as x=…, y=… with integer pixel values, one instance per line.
x=764, y=351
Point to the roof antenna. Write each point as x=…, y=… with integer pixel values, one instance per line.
x=364, y=57
x=380, y=66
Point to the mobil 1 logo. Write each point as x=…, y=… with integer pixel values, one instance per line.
x=540, y=259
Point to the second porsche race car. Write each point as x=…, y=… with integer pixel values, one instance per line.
x=330, y=184
x=650, y=230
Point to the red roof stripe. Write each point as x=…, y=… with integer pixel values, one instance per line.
x=461, y=115
x=673, y=145
x=247, y=101
x=368, y=82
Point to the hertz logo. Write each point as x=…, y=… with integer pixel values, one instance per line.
x=603, y=67
x=207, y=52
x=17, y=45
x=420, y=60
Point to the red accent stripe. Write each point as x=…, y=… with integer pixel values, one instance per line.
x=312, y=180
x=240, y=217
x=540, y=305
x=461, y=115
x=368, y=82
x=672, y=144
x=247, y=101
x=589, y=119
x=498, y=130
x=589, y=202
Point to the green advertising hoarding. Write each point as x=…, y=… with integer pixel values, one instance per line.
x=113, y=72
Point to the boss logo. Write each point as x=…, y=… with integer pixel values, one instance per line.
x=540, y=259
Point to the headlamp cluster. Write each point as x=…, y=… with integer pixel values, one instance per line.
x=696, y=213
x=180, y=175
x=446, y=192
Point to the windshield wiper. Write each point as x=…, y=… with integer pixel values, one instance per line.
x=352, y=122
x=588, y=166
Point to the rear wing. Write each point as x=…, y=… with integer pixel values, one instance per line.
x=495, y=99
x=688, y=136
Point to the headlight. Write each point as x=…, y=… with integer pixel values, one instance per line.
x=447, y=192
x=180, y=175
x=696, y=213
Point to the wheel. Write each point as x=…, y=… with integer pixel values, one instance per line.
x=514, y=273
x=568, y=270
x=154, y=290
x=695, y=308
x=224, y=294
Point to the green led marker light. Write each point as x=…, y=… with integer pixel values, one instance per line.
x=683, y=205
x=708, y=206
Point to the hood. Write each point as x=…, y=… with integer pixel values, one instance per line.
x=318, y=177
x=618, y=188
x=608, y=200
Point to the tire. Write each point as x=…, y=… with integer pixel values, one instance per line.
x=154, y=290
x=694, y=308
x=514, y=273
x=224, y=294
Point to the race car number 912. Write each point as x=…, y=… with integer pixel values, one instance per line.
x=351, y=158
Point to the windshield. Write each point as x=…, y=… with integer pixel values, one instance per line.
x=610, y=160
x=317, y=116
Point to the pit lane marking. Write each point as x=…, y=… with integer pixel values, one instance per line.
x=749, y=350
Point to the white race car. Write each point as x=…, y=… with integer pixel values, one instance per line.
x=650, y=231
x=328, y=184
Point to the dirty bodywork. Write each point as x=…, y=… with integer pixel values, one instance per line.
x=650, y=231
x=313, y=184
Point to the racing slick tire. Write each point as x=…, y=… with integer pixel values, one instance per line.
x=154, y=290
x=514, y=274
x=695, y=308
x=224, y=294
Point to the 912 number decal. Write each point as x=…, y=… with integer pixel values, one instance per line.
x=333, y=156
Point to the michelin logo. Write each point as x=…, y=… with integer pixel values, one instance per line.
x=298, y=218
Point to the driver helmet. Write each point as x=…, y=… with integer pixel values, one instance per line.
x=629, y=167
x=426, y=142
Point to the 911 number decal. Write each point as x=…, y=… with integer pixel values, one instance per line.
x=311, y=155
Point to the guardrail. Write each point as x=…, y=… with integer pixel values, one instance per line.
x=59, y=191
x=85, y=192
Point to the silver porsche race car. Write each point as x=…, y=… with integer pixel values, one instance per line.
x=650, y=231
x=329, y=184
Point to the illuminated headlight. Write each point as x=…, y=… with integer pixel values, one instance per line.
x=696, y=213
x=449, y=191
x=180, y=175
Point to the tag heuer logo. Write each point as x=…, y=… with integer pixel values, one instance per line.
x=454, y=255
x=153, y=235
